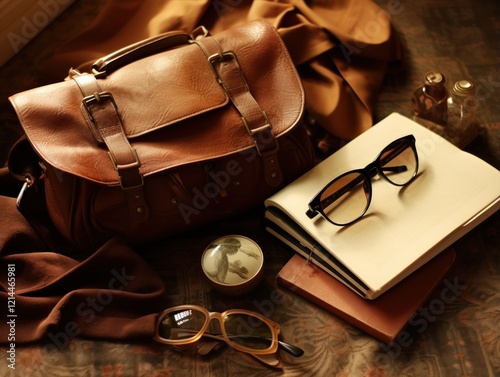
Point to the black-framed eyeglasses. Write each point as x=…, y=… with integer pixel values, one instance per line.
x=347, y=198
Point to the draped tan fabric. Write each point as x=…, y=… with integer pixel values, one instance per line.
x=341, y=48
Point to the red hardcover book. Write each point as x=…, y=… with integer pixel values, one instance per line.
x=384, y=317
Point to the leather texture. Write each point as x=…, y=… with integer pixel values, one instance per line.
x=168, y=134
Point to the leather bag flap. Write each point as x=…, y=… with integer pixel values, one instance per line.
x=172, y=108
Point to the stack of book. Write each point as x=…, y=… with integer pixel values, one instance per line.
x=22, y=20
x=362, y=271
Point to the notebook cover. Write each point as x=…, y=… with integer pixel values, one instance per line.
x=384, y=317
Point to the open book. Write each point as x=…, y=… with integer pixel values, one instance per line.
x=404, y=227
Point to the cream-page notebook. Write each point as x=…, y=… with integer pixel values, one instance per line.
x=403, y=227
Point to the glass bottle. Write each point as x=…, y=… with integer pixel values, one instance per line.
x=462, y=105
x=430, y=100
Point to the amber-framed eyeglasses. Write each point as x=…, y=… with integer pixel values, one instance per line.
x=244, y=330
x=346, y=198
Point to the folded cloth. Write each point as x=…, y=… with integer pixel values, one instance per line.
x=342, y=48
x=111, y=294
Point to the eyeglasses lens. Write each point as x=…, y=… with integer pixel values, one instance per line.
x=183, y=324
x=248, y=331
x=399, y=162
x=348, y=197
x=242, y=329
x=345, y=199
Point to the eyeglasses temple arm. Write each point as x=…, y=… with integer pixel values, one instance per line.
x=290, y=348
x=337, y=194
x=269, y=360
x=311, y=213
x=396, y=169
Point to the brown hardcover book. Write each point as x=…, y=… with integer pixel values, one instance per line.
x=386, y=316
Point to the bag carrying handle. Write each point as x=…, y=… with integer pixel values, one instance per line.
x=139, y=50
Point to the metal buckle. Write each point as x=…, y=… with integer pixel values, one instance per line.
x=199, y=33
x=269, y=152
x=133, y=165
x=131, y=187
x=220, y=57
x=252, y=132
x=136, y=164
x=97, y=98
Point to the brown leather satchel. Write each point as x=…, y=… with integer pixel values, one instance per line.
x=168, y=134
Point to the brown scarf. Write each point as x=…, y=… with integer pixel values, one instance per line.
x=112, y=294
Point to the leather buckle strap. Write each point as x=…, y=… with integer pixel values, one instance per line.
x=103, y=113
x=105, y=123
x=228, y=71
x=229, y=74
x=89, y=100
x=128, y=173
x=265, y=142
